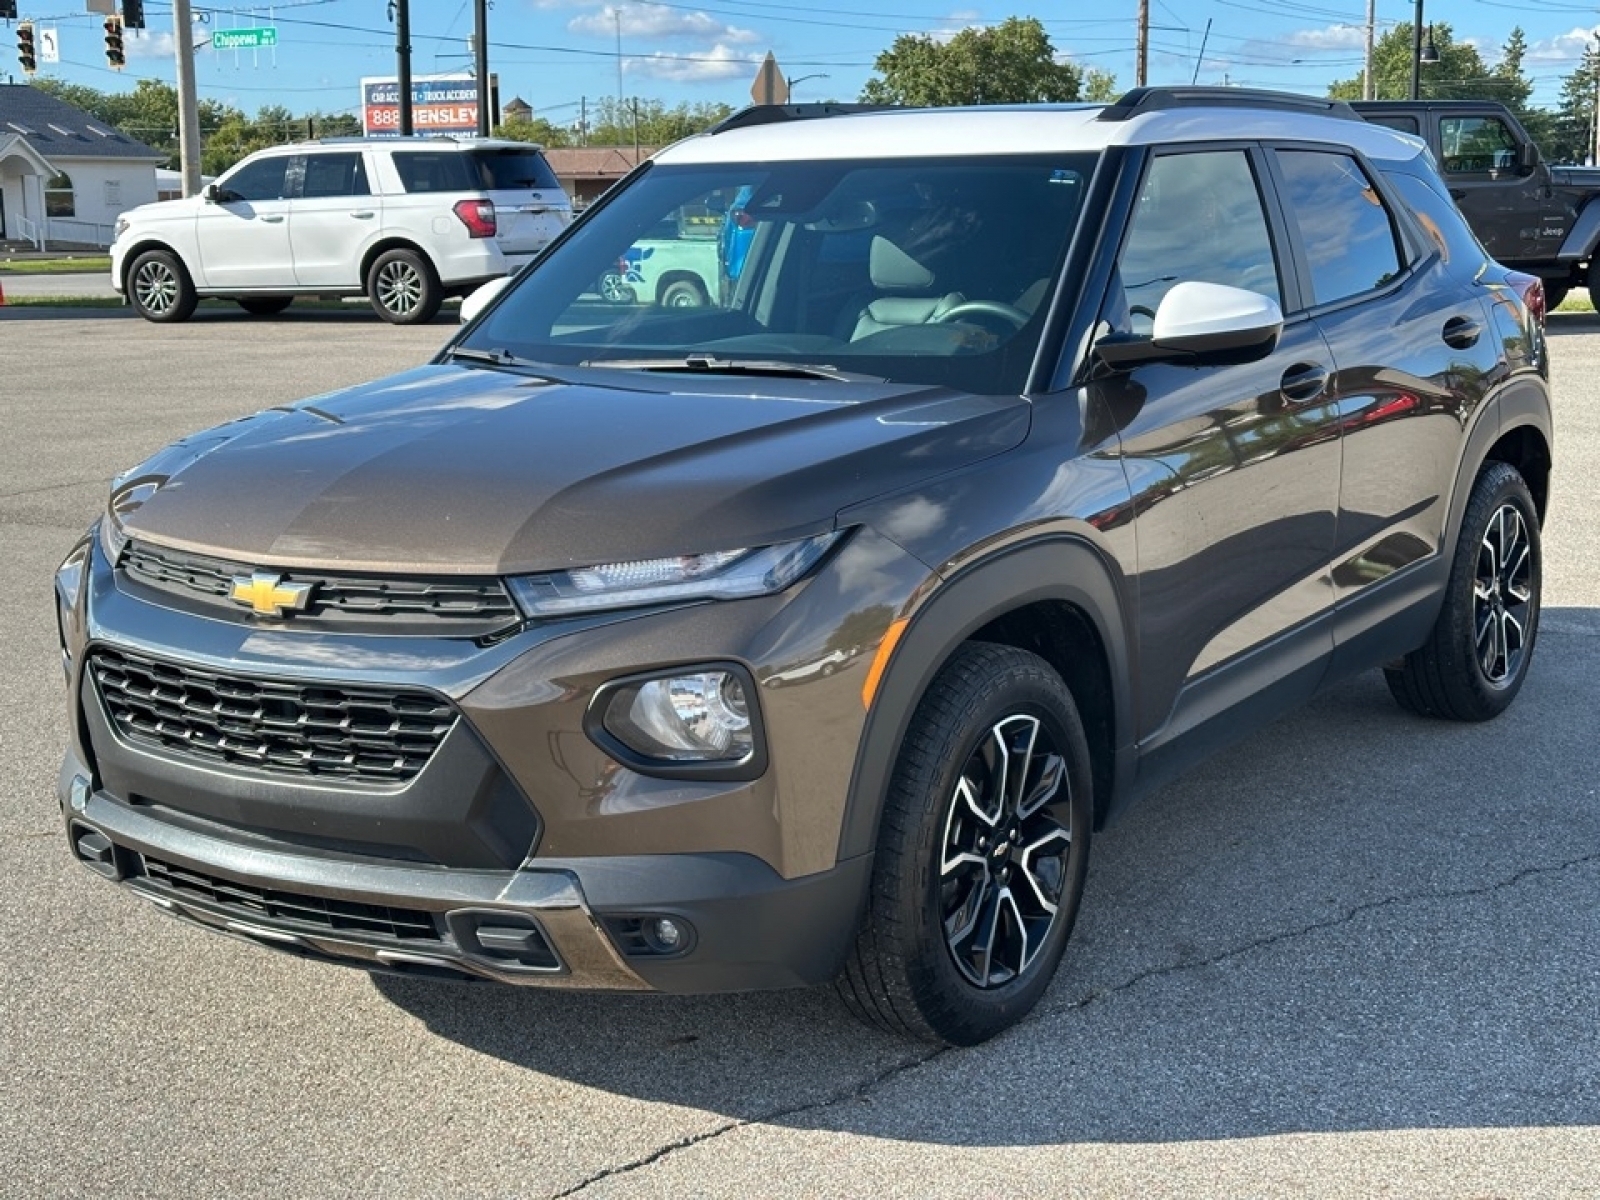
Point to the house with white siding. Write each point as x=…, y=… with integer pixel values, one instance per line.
x=64, y=176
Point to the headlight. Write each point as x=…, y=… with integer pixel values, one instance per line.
x=697, y=721
x=120, y=228
x=126, y=498
x=722, y=575
x=69, y=586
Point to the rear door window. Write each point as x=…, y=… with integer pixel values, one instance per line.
x=1346, y=231
x=435, y=171
x=1476, y=145
x=334, y=175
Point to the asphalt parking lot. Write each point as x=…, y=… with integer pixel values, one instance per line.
x=1358, y=956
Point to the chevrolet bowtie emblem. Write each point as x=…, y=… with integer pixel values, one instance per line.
x=268, y=595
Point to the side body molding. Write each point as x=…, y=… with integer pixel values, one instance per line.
x=1057, y=568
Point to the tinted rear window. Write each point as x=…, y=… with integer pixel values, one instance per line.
x=435, y=171
x=513, y=169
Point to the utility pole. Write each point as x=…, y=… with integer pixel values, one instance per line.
x=1142, y=50
x=1596, y=158
x=1369, y=85
x=402, y=50
x=1416, y=54
x=188, y=100
x=480, y=49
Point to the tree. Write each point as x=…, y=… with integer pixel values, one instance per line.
x=1572, y=135
x=521, y=129
x=1101, y=87
x=1460, y=73
x=1009, y=63
x=650, y=122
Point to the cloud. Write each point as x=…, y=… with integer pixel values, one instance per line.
x=659, y=21
x=1565, y=48
x=141, y=43
x=1330, y=37
x=720, y=62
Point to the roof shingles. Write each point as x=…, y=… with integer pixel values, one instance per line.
x=57, y=130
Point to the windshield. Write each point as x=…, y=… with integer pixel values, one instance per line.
x=918, y=271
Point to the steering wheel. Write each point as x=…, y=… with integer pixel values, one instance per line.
x=984, y=308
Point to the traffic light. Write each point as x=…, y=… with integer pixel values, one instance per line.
x=114, y=53
x=133, y=14
x=26, y=54
x=8, y=10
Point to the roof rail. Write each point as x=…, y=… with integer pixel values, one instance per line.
x=1155, y=99
x=771, y=114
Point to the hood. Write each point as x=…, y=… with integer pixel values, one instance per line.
x=451, y=469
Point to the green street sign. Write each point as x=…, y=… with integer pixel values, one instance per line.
x=244, y=39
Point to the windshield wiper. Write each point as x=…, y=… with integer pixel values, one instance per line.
x=494, y=357
x=706, y=364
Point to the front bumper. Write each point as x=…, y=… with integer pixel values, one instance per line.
x=569, y=923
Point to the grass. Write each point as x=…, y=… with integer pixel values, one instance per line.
x=1577, y=301
x=55, y=266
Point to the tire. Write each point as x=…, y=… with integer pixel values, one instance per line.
x=1554, y=294
x=684, y=293
x=950, y=880
x=614, y=290
x=1475, y=659
x=403, y=288
x=265, y=306
x=160, y=289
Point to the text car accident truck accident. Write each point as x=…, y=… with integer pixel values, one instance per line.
x=807, y=634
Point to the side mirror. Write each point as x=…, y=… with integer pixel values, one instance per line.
x=1201, y=323
x=1527, y=158
x=480, y=297
x=214, y=194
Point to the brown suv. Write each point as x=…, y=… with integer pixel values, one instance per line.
x=806, y=634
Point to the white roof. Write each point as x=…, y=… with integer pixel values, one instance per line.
x=933, y=132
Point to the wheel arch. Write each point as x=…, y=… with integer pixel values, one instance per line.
x=1525, y=447
x=143, y=247
x=392, y=242
x=1055, y=597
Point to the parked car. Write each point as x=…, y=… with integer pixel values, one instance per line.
x=405, y=221
x=1538, y=218
x=1078, y=441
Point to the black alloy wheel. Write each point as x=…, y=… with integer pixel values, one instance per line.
x=1477, y=655
x=982, y=851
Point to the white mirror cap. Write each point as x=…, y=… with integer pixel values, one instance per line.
x=479, y=298
x=1196, y=310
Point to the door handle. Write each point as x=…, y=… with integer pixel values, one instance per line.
x=1461, y=332
x=272, y=218
x=362, y=214
x=1303, y=381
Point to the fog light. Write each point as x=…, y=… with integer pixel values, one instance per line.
x=666, y=935
x=702, y=716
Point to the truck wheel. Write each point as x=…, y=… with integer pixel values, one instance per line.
x=1474, y=661
x=981, y=853
x=160, y=288
x=403, y=288
x=684, y=293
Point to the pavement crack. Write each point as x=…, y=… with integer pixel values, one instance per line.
x=51, y=487
x=842, y=1096
x=1344, y=918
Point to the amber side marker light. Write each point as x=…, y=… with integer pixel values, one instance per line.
x=880, y=660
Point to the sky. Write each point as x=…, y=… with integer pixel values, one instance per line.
x=555, y=53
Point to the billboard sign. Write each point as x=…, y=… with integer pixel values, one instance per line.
x=439, y=104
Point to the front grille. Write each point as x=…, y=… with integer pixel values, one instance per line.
x=450, y=605
x=370, y=735
x=250, y=903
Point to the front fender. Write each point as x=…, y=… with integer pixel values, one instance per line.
x=1061, y=568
